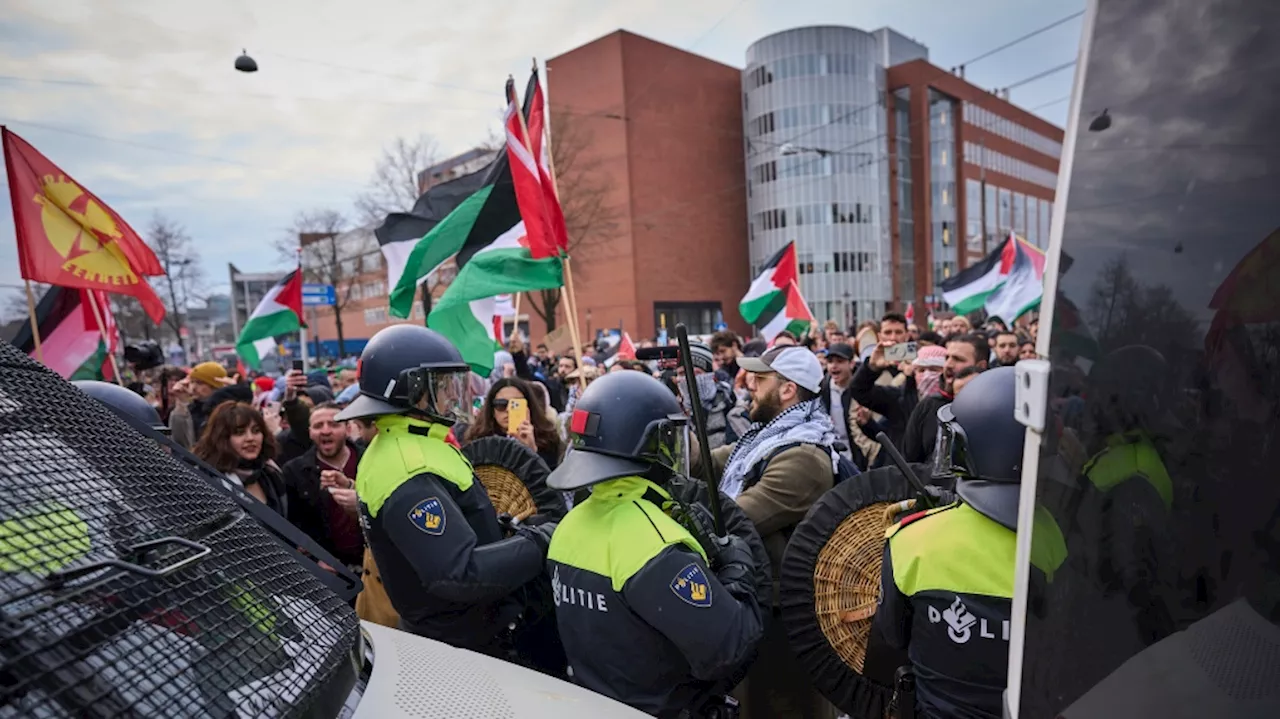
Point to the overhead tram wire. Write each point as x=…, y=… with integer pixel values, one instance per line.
x=132, y=143
x=941, y=72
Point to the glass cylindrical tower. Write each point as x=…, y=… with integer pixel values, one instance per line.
x=817, y=165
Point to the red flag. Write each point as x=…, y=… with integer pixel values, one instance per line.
x=626, y=348
x=542, y=153
x=528, y=184
x=70, y=238
x=911, y=313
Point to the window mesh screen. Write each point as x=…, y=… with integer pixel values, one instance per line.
x=130, y=587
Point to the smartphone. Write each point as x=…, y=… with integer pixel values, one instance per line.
x=517, y=414
x=901, y=352
x=297, y=365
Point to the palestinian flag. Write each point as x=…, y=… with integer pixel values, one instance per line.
x=70, y=341
x=794, y=317
x=415, y=244
x=1021, y=289
x=506, y=246
x=970, y=289
x=279, y=312
x=767, y=295
x=471, y=209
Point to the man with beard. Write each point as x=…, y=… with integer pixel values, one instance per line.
x=1006, y=348
x=321, y=487
x=775, y=472
x=967, y=350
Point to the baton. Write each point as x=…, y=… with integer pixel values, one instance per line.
x=901, y=463
x=700, y=427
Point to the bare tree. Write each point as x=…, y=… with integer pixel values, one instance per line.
x=394, y=185
x=584, y=197
x=15, y=302
x=331, y=255
x=182, y=271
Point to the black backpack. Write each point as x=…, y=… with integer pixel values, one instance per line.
x=845, y=469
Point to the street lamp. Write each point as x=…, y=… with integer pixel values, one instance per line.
x=244, y=63
x=788, y=149
x=1101, y=122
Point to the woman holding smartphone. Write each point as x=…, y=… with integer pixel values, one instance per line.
x=512, y=409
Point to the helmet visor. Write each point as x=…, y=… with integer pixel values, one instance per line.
x=450, y=395
x=949, y=458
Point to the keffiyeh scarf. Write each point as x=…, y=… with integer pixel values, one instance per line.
x=805, y=422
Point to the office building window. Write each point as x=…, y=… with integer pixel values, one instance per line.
x=853, y=262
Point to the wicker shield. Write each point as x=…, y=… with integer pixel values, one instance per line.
x=515, y=478
x=830, y=585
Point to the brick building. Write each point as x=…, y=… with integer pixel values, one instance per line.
x=660, y=129
x=990, y=168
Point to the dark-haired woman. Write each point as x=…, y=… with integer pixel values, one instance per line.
x=237, y=443
x=538, y=432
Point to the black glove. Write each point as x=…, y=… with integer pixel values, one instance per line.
x=533, y=520
x=539, y=535
x=734, y=566
x=697, y=519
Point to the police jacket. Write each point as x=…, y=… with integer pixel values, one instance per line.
x=946, y=592
x=435, y=536
x=643, y=619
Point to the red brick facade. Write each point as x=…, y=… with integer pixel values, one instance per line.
x=920, y=76
x=663, y=130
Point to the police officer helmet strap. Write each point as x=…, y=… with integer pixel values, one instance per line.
x=398, y=453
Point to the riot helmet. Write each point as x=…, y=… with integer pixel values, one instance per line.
x=407, y=369
x=980, y=442
x=1126, y=391
x=125, y=403
x=625, y=424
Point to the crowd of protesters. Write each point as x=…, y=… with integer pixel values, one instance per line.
x=777, y=444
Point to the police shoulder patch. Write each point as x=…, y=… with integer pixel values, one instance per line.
x=692, y=586
x=428, y=515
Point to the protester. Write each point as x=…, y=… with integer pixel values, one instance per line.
x=537, y=431
x=1006, y=349
x=1027, y=350
x=196, y=397
x=716, y=397
x=967, y=350
x=321, y=487
x=727, y=348
x=237, y=443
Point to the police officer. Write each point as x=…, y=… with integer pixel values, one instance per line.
x=428, y=521
x=644, y=618
x=125, y=403
x=947, y=577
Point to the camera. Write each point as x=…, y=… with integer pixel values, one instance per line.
x=144, y=355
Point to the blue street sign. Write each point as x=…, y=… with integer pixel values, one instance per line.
x=721, y=326
x=319, y=295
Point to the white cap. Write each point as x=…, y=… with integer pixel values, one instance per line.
x=796, y=364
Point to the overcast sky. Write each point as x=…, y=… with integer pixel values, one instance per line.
x=138, y=100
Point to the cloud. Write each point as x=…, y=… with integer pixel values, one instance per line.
x=1183, y=183
x=233, y=156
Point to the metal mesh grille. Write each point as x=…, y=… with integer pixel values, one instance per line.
x=129, y=587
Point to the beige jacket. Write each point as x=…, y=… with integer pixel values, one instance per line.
x=793, y=480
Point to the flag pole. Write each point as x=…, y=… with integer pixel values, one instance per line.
x=571, y=301
x=515, y=323
x=35, y=324
x=31, y=298
x=102, y=332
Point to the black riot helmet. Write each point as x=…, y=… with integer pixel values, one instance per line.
x=625, y=423
x=1127, y=390
x=125, y=403
x=980, y=441
x=407, y=369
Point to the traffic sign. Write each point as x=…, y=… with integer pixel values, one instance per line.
x=319, y=295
